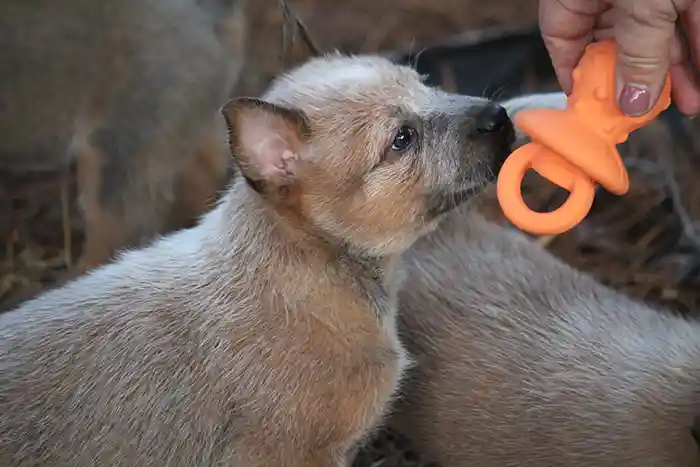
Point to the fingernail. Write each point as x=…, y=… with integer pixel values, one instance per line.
x=635, y=100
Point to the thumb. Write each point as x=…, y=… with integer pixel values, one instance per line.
x=644, y=31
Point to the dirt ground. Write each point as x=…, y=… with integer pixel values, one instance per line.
x=645, y=244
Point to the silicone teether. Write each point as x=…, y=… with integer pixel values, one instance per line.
x=574, y=148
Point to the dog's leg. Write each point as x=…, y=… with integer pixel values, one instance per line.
x=204, y=178
x=104, y=228
x=136, y=151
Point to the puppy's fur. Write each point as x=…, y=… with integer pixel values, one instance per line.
x=266, y=334
x=523, y=361
x=129, y=90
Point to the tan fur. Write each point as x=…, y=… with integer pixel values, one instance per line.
x=128, y=90
x=265, y=335
x=523, y=361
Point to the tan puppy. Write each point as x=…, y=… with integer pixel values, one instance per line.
x=523, y=361
x=265, y=335
x=130, y=90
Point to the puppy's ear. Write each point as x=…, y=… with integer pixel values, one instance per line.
x=266, y=141
x=297, y=44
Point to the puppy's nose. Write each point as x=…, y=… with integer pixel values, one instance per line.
x=491, y=119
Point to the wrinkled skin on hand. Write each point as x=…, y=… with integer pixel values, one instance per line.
x=650, y=43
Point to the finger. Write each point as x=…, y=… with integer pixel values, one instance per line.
x=676, y=56
x=606, y=20
x=567, y=28
x=678, y=52
x=600, y=34
x=684, y=88
x=644, y=32
x=685, y=92
x=690, y=20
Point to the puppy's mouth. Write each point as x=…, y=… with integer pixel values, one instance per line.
x=445, y=201
x=502, y=150
x=499, y=158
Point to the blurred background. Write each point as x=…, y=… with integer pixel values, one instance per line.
x=645, y=243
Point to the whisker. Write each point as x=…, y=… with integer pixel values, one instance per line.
x=499, y=92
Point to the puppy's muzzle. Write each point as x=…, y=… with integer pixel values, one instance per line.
x=492, y=119
x=493, y=123
x=493, y=128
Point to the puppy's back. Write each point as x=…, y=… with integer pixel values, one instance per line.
x=523, y=361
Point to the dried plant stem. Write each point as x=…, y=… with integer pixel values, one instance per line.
x=66, y=222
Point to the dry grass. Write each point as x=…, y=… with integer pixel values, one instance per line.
x=41, y=232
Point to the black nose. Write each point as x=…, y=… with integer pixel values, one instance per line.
x=491, y=119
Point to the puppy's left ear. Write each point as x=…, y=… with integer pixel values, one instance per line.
x=266, y=141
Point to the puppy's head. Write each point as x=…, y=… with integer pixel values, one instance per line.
x=358, y=148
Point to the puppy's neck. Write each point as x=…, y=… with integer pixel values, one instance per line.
x=278, y=246
x=379, y=268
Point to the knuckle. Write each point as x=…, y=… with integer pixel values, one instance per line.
x=640, y=63
x=586, y=7
x=650, y=13
x=644, y=30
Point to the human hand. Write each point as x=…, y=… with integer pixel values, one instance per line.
x=649, y=43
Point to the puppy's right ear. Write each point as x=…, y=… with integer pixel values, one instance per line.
x=266, y=141
x=297, y=44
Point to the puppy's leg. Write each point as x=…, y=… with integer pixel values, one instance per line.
x=103, y=227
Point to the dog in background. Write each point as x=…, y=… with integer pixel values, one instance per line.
x=523, y=361
x=128, y=90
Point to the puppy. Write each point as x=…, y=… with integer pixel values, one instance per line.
x=265, y=335
x=130, y=91
x=523, y=361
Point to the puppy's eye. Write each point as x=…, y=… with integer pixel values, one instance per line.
x=404, y=139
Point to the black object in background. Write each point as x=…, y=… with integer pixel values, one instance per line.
x=497, y=62
x=485, y=62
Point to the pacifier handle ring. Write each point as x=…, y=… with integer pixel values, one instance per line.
x=566, y=217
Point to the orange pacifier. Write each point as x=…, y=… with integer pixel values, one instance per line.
x=574, y=148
